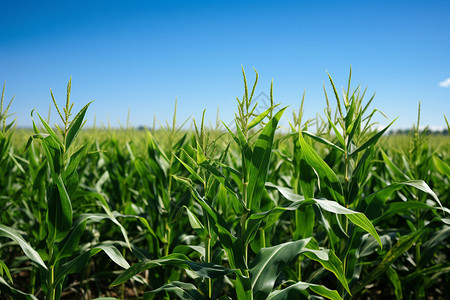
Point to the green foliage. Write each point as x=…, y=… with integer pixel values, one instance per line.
x=329, y=209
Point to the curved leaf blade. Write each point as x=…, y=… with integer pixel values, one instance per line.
x=11, y=233
x=291, y=291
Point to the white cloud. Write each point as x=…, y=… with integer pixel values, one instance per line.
x=436, y=128
x=445, y=83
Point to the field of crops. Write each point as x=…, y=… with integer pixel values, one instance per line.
x=328, y=208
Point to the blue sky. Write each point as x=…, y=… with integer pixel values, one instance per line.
x=141, y=55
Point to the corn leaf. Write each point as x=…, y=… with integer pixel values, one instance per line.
x=404, y=243
x=329, y=183
x=206, y=270
x=260, y=163
x=373, y=203
x=12, y=234
x=5, y=288
x=182, y=290
x=357, y=218
x=75, y=126
x=293, y=290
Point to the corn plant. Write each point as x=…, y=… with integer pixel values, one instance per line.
x=253, y=270
x=63, y=231
x=329, y=209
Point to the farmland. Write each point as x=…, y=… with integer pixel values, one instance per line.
x=327, y=207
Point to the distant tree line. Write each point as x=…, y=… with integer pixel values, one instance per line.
x=427, y=131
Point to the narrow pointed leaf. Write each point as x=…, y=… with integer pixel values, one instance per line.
x=329, y=183
x=336, y=131
x=11, y=233
x=182, y=290
x=403, y=244
x=269, y=263
x=322, y=140
x=357, y=218
x=293, y=290
x=260, y=162
x=373, y=203
x=372, y=141
x=6, y=289
x=75, y=126
x=259, y=118
x=196, y=224
x=206, y=270
x=114, y=254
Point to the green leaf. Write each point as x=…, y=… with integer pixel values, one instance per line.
x=185, y=291
x=329, y=183
x=441, y=166
x=232, y=245
x=59, y=213
x=70, y=243
x=303, y=171
x=293, y=290
x=328, y=260
x=195, y=174
x=3, y=267
x=196, y=224
x=438, y=239
x=75, y=159
x=373, y=203
x=360, y=220
x=200, y=156
x=395, y=170
x=336, y=131
x=396, y=282
x=75, y=126
x=53, y=152
x=403, y=244
x=434, y=271
x=206, y=270
x=113, y=253
x=399, y=207
x=304, y=223
x=112, y=217
x=357, y=218
x=259, y=118
x=73, y=266
x=11, y=233
x=260, y=163
x=355, y=126
x=78, y=263
x=243, y=287
x=269, y=263
x=322, y=140
x=372, y=141
x=15, y=293
x=238, y=204
x=53, y=135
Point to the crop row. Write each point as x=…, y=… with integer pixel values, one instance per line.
x=235, y=212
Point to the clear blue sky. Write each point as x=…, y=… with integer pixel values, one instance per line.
x=141, y=55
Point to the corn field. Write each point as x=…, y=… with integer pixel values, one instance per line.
x=322, y=208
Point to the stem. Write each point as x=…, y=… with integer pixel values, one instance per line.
x=51, y=294
x=167, y=244
x=243, y=220
x=208, y=260
x=299, y=269
x=208, y=248
x=51, y=287
x=33, y=280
